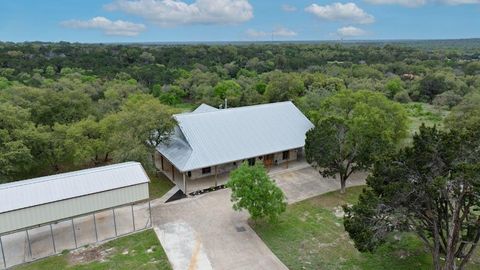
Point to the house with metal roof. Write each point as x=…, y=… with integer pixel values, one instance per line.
x=209, y=142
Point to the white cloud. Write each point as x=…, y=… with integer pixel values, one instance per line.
x=407, y=3
x=348, y=12
x=256, y=34
x=114, y=28
x=289, y=8
x=284, y=32
x=278, y=32
x=351, y=31
x=460, y=2
x=418, y=3
x=175, y=12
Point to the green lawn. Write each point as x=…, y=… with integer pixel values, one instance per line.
x=140, y=251
x=159, y=185
x=310, y=236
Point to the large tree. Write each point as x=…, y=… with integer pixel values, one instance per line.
x=432, y=189
x=139, y=127
x=352, y=130
x=253, y=190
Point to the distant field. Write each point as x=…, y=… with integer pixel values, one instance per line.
x=310, y=235
x=140, y=251
x=423, y=113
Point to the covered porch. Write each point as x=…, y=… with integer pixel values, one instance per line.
x=219, y=174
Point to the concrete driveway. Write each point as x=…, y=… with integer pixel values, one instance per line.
x=206, y=233
x=306, y=182
x=208, y=225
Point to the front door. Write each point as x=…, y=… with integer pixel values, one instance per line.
x=268, y=160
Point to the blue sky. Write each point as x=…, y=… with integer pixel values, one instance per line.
x=236, y=20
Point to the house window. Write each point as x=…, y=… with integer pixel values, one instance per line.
x=286, y=155
x=189, y=174
x=251, y=161
x=207, y=170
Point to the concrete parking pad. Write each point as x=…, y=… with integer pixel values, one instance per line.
x=307, y=182
x=226, y=238
x=183, y=246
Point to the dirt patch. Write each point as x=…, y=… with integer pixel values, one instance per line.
x=89, y=254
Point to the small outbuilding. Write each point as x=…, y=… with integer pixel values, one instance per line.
x=28, y=203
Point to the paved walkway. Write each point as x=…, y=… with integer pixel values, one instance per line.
x=207, y=224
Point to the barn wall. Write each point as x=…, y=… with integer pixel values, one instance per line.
x=72, y=207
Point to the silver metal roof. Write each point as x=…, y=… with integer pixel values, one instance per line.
x=204, y=108
x=221, y=136
x=48, y=189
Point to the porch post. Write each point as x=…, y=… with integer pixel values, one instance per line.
x=161, y=161
x=185, y=184
x=216, y=180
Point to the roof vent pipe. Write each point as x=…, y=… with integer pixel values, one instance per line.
x=226, y=104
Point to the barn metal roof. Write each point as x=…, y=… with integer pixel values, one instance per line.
x=48, y=189
x=216, y=137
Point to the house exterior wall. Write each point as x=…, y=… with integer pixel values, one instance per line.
x=50, y=212
x=225, y=168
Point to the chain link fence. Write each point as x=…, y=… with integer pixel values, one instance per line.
x=49, y=239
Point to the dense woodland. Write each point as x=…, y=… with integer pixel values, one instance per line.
x=66, y=106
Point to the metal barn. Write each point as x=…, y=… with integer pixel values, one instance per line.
x=41, y=201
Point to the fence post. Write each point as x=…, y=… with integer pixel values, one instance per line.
x=3, y=253
x=53, y=240
x=95, y=225
x=150, y=213
x=29, y=245
x=74, y=234
x=133, y=218
x=114, y=222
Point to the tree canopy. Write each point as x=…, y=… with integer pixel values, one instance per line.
x=66, y=93
x=253, y=190
x=352, y=130
x=432, y=189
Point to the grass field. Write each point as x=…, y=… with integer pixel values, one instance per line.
x=422, y=113
x=140, y=251
x=310, y=235
x=159, y=185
